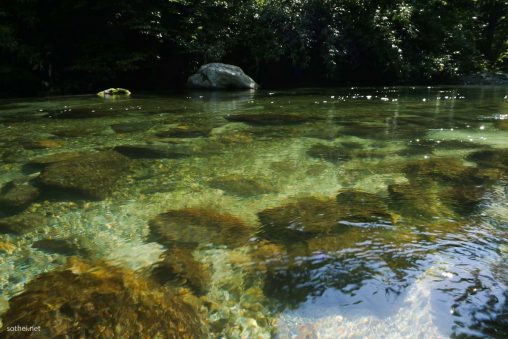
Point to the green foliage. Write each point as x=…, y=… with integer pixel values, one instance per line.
x=83, y=44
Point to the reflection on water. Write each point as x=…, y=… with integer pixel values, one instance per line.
x=373, y=212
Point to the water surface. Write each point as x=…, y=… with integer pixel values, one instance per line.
x=360, y=212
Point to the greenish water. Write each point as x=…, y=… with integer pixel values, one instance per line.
x=372, y=212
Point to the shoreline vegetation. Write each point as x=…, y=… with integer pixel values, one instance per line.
x=55, y=48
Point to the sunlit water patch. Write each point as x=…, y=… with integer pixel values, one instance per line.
x=361, y=212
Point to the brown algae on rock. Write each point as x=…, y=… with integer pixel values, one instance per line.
x=195, y=226
x=179, y=266
x=85, y=299
x=22, y=223
x=92, y=175
x=240, y=186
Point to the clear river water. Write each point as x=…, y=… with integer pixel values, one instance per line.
x=308, y=213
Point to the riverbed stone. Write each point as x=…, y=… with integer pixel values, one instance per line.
x=65, y=246
x=266, y=119
x=186, y=131
x=300, y=220
x=18, y=196
x=22, y=223
x=221, y=76
x=84, y=299
x=333, y=154
x=83, y=113
x=240, y=186
x=360, y=206
x=493, y=158
x=91, y=176
x=418, y=200
x=195, y=226
x=501, y=124
x=178, y=265
x=443, y=169
x=74, y=132
x=130, y=127
x=42, y=144
x=153, y=151
x=464, y=198
x=7, y=247
x=317, y=217
x=56, y=157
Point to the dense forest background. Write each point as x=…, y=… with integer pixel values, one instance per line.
x=61, y=46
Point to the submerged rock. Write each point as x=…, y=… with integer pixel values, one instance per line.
x=311, y=217
x=42, y=144
x=16, y=196
x=445, y=170
x=420, y=201
x=91, y=176
x=7, y=247
x=358, y=206
x=221, y=76
x=80, y=113
x=22, y=223
x=76, y=132
x=195, y=226
x=66, y=246
x=301, y=220
x=96, y=300
x=153, y=151
x=329, y=153
x=494, y=158
x=132, y=127
x=178, y=264
x=239, y=186
x=268, y=119
x=52, y=158
x=186, y=131
x=501, y=124
x=463, y=198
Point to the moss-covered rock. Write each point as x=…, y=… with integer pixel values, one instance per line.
x=41, y=144
x=443, y=169
x=502, y=125
x=56, y=157
x=186, y=131
x=311, y=217
x=418, y=200
x=239, y=186
x=493, y=158
x=195, y=226
x=100, y=301
x=22, y=223
x=8, y=248
x=66, y=246
x=16, y=196
x=178, y=265
x=154, y=151
x=363, y=207
x=301, y=220
x=330, y=153
x=114, y=92
x=82, y=113
x=91, y=176
x=132, y=126
x=76, y=132
x=463, y=198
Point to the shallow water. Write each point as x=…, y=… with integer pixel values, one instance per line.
x=319, y=213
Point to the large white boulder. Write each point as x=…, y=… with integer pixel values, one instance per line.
x=221, y=76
